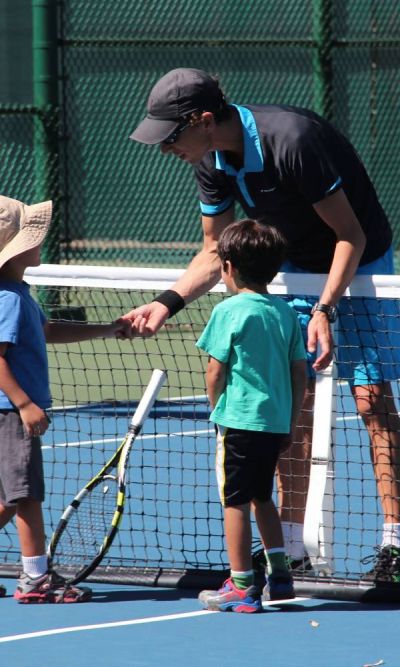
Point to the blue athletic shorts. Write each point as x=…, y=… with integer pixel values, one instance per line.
x=368, y=341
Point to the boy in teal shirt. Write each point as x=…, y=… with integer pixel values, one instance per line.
x=256, y=379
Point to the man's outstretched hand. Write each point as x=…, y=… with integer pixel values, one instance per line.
x=146, y=320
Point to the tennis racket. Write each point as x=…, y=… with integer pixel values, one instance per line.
x=89, y=524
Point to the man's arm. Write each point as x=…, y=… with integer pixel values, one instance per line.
x=298, y=376
x=202, y=273
x=298, y=373
x=337, y=213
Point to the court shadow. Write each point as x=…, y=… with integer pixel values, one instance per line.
x=331, y=605
x=158, y=595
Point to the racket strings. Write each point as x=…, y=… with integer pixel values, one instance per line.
x=88, y=526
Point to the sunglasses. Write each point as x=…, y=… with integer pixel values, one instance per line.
x=173, y=137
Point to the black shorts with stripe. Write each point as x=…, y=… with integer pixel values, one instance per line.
x=245, y=464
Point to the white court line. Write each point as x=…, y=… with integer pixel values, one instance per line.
x=153, y=436
x=118, y=624
x=347, y=418
x=178, y=434
x=81, y=443
x=102, y=626
x=171, y=399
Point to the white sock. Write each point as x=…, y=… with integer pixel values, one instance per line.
x=293, y=538
x=35, y=566
x=391, y=535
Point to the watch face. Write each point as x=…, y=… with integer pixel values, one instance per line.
x=332, y=314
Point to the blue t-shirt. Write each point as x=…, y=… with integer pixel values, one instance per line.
x=257, y=336
x=21, y=326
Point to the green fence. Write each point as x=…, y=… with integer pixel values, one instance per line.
x=92, y=65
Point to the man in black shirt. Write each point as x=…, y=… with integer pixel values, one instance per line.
x=290, y=168
x=293, y=159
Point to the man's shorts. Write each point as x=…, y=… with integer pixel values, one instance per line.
x=245, y=465
x=21, y=465
x=368, y=339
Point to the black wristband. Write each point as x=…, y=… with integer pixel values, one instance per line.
x=172, y=300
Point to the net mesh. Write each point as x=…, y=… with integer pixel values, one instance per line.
x=173, y=518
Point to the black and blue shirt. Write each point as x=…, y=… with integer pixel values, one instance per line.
x=293, y=159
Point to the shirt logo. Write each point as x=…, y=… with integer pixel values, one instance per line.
x=268, y=189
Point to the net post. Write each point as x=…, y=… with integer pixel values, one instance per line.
x=318, y=521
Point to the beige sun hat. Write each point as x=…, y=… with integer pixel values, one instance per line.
x=22, y=227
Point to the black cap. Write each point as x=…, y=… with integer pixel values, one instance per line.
x=174, y=97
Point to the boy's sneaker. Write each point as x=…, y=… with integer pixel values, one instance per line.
x=386, y=567
x=230, y=598
x=300, y=566
x=2, y=591
x=279, y=586
x=49, y=588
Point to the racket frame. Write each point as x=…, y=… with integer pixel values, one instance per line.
x=118, y=460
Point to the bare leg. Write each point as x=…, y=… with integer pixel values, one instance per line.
x=376, y=406
x=238, y=593
x=6, y=514
x=238, y=537
x=268, y=523
x=294, y=465
x=31, y=528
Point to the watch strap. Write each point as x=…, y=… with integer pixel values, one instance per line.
x=330, y=311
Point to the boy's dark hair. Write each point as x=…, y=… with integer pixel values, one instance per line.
x=255, y=250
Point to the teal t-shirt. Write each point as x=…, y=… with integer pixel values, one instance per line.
x=257, y=336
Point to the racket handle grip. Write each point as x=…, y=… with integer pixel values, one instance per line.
x=157, y=380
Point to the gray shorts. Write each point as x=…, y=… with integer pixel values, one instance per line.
x=21, y=463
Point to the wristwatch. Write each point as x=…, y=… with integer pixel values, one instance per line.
x=330, y=311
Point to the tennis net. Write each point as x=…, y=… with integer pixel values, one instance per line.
x=172, y=529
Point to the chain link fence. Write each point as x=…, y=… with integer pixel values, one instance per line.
x=119, y=202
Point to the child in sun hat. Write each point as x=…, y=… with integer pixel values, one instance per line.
x=25, y=396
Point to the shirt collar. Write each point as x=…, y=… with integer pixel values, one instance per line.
x=253, y=156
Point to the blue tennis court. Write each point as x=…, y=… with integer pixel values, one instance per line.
x=174, y=517
x=148, y=627
x=172, y=495
x=173, y=514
